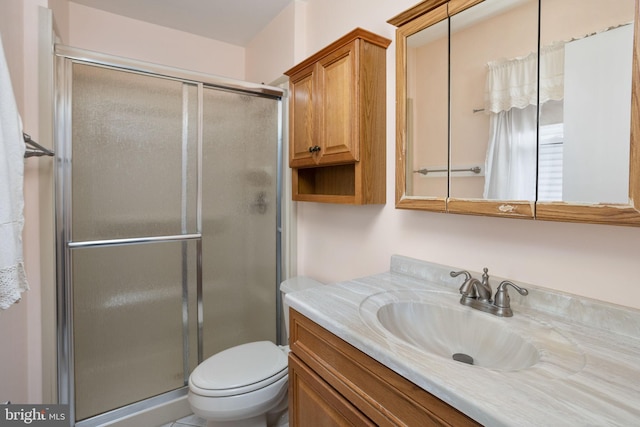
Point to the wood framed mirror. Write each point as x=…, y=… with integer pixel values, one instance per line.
x=575, y=154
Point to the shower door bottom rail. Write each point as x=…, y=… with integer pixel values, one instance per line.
x=134, y=408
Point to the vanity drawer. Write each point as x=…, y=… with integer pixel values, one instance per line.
x=382, y=395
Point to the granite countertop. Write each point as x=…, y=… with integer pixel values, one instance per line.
x=588, y=372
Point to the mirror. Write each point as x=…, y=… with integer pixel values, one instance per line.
x=584, y=127
x=470, y=135
x=482, y=54
x=428, y=111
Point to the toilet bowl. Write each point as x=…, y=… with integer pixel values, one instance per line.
x=246, y=385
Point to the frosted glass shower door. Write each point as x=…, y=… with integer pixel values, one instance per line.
x=166, y=223
x=239, y=179
x=132, y=248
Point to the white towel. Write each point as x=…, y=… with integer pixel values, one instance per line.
x=12, y=277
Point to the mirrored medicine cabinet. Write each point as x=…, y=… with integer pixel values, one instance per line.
x=520, y=109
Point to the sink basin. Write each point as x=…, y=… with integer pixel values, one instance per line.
x=448, y=331
x=435, y=323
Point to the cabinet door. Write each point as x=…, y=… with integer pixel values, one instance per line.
x=312, y=402
x=302, y=125
x=338, y=106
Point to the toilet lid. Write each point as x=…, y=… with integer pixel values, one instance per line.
x=240, y=369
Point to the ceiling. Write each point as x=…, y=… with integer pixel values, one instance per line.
x=231, y=21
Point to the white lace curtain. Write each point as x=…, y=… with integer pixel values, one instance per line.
x=511, y=100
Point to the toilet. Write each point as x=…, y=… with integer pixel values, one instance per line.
x=246, y=385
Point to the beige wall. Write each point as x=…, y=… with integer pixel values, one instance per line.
x=105, y=32
x=271, y=48
x=60, y=10
x=20, y=326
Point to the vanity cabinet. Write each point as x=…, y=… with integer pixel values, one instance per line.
x=337, y=129
x=331, y=383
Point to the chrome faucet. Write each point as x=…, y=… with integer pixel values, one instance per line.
x=477, y=294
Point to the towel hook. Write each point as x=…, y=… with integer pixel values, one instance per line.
x=35, y=149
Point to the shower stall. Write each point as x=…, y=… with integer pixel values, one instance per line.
x=167, y=227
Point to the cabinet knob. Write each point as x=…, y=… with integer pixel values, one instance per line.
x=314, y=149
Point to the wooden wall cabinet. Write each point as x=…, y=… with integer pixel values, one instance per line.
x=331, y=383
x=337, y=122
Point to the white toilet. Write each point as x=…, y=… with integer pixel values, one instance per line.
x=246, y=385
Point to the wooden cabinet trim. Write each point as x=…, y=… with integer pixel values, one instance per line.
x=358, y=33
x=415, y=12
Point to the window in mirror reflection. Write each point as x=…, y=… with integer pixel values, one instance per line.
x=584, y=135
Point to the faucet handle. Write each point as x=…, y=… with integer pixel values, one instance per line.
x=467, y=275
x=521, y=291
x=467, y=289
x=502, y=299
x=485, y=279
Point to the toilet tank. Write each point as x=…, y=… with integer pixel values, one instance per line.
x=295, y=284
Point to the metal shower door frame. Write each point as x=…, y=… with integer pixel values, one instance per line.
x=65, y=57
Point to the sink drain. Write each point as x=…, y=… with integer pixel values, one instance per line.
x=464, y=358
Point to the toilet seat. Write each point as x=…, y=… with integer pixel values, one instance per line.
x=238, y=370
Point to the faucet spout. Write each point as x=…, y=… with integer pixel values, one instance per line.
x=468, y=288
